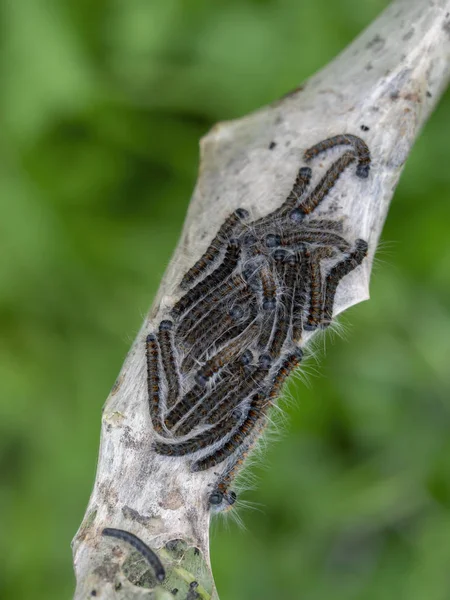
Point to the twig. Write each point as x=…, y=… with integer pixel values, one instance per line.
x=382, y=88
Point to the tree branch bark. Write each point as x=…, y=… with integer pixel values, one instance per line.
x=383, y=88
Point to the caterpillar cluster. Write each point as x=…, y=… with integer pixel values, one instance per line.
x=219, y=360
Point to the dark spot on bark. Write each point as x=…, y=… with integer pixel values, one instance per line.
x=394, y=96
x=118, y=586
x=196, y=551
x=109, y=495
x=94, y=593
x=174, y=592
x=408, y=35
x=446, y=27
x=272, y=145
x=365, y=128
x=429, y=95
x=413, y=97
x=129, y=441
x=130, y=513
x=369, y=67
x=376, y=43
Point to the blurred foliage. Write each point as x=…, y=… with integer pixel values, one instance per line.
x=102, y=104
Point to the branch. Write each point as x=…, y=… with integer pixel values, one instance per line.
x=382, y=88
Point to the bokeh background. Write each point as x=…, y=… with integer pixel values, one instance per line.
x=102, y=104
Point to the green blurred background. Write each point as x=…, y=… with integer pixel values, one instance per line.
x=102, y=103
